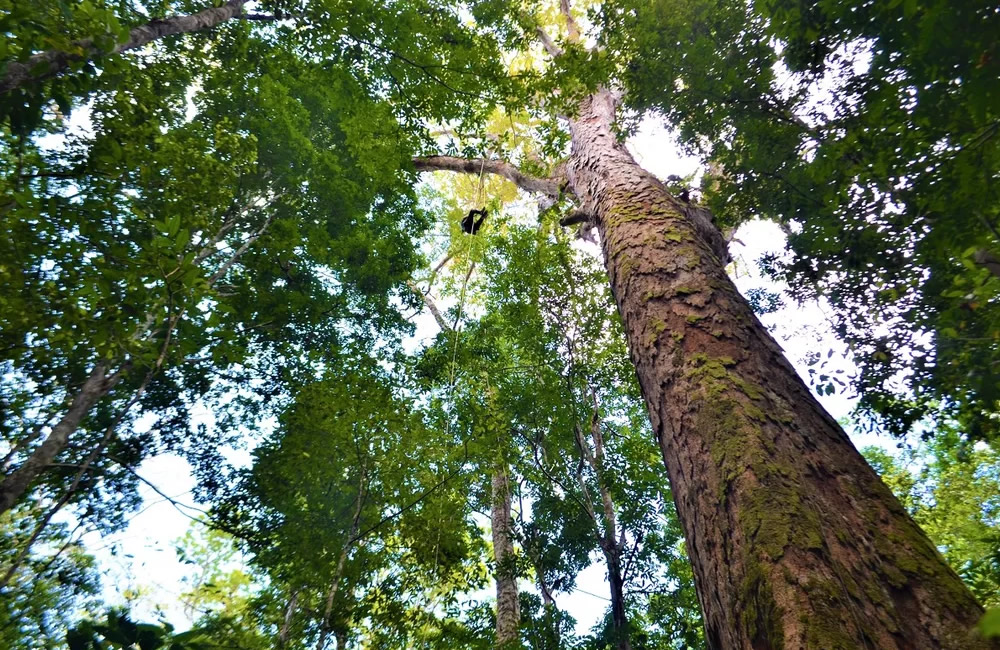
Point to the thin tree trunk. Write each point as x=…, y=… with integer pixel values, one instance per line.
x=795, y=541
x=532, y=547
x=45, y=65
x=331, y=594
x=508, y=606
x=610, y=543
x=619, y=619
x=96, y=386
x=286, y=624
x=549, y=609
x=99, y=383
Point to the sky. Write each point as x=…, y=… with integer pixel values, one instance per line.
x=141, y=563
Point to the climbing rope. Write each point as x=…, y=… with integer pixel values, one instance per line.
x=465, y=284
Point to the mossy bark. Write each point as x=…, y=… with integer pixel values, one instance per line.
x=795, y=541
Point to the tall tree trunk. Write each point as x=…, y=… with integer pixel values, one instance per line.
x=508, y=607
x=795, y=541
x=45, y=65
x=97, y=385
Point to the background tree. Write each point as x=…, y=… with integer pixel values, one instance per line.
x=350, y=535
x=547, y=339
x=224, y=211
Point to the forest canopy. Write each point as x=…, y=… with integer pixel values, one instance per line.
x=436, y=346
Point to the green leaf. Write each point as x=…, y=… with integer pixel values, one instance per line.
x=183, y=236
x=989, y=624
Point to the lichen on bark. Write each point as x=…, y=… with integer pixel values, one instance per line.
x=794, y=541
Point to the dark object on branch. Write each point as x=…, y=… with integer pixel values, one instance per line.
x=678, y=187
x=471, y=225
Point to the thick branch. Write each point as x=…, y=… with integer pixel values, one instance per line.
x=575, y=217
x=45, y=65
x=97, y=385
x=549, y=44
x=549, y=186
x=221, y=271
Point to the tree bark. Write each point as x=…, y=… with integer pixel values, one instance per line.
x=508, y=606
x=46, y=65
x=97, y=385
x=795, y=541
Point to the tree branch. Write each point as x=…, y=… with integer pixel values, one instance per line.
x=552, y=186
x=98, y=384
x=431, y=306
x=51, y=63
x=549, y=44
x=575, y=217
x=571, y=25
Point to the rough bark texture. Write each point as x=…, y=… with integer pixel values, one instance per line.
x=508, y=607
x=795, y=541
x=96, y=386
x=45, y=65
